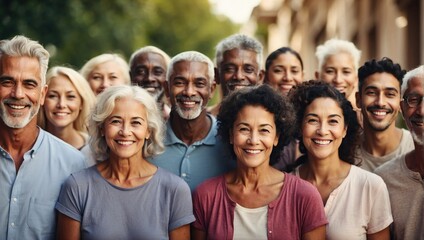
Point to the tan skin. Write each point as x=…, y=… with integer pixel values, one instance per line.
x=126, y=166
x=255, y=183
x=20, y=81
x=324, y=168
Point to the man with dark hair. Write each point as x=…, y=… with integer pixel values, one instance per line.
x=379, y=100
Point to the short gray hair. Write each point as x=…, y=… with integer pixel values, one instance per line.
x=21, y=46
x=104, y=107
x=239, y=41
x=191, y=56
x=149, y=49
x=336, y=46
x=414, y=73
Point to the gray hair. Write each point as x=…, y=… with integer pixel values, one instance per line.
x=191, y=56
x=335, y=46
x=239, y=41
x=21, y=46
x=106, y=57
x=104, y=107
x=149, y=49
x=414, y=73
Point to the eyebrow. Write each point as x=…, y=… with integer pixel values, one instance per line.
x=261, y=125
x=316, y=115
x=384, y=89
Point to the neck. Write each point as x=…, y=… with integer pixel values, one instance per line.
x=323, y=169
x=17, y=141
x=381, y=143
x=190, y=131
x=68, y=134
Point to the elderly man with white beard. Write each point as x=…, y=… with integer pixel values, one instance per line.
x=192, y=149
x=33, y=163
x=404, y=175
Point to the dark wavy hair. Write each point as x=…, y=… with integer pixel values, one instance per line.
x=303, y=95
x=266, y=97
x=384, y=65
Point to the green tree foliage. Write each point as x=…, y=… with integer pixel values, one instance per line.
x=76, y=30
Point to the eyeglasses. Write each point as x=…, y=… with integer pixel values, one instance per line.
x=413, y=100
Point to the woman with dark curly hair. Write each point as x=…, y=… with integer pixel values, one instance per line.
x=257, y=201
x=356, y=201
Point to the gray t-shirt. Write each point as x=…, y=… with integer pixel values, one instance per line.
x=106, y=211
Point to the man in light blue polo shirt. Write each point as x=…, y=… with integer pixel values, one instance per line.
x=33, y=163
x=193, y=151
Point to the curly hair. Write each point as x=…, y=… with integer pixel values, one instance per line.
x=303, y=95
x=265, y=96
x=384, y=65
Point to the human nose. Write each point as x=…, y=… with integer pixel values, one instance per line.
x=189, y=89
x=380, y=99
x=287, y=76
x=18, y=91
x=338, y=78
x=105, y=83
x=253, y=138
x=125, y=130
x=61, y=102
x=239, y=74
x=322, y=129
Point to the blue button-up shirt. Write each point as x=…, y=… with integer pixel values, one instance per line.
x=197, y=162
x=28, y=197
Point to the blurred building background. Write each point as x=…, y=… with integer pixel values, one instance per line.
x=379, y=28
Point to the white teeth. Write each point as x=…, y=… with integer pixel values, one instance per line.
x=125, y=142
x=379, y=113
x=61, y=114
x=322, y=142
x=253, y=151
x=189, y=103
x=17, y=106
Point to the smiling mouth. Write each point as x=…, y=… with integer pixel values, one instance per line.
x=321, y=142
x=16, y=107
x=253, y=151
x=61, y=114
x=125, y=143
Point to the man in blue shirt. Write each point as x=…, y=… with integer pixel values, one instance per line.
x=33, y=163
x=192, y=149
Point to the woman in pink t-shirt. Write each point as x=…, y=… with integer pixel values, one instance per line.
x=257, y=201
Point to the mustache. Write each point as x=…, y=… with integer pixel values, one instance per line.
x=190, y=99
x=232, y=84
x=374, y=108
x=417, y=118
x=16, y=102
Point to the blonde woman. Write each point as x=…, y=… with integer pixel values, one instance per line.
x=67, y=104
x=106, y=70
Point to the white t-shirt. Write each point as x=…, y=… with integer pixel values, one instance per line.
x=250, y=223
x=359, y=206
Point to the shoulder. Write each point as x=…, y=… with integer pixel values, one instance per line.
x=170, y=181
x=298, y=186
x=365, y=178
x=210, y=187
x=390, y=167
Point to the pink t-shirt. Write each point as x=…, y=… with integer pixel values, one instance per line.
x=297, y=210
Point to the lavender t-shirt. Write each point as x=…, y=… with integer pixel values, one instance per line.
x=106, y=211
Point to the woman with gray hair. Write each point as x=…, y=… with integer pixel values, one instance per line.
x=126, y=128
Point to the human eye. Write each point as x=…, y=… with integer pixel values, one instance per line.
x=371, y=92
x=413, y=99
x=391, y=94
x=71, y=96
x=51, y=95
x=311, y=120
x=178, y=82
x=329, y=71
x=265, y=130
x=7, y=82
x=333, y=121
x=158, y=72
x=249, y=69
x=136, y=122
x=201, y=83
x=229, y=69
